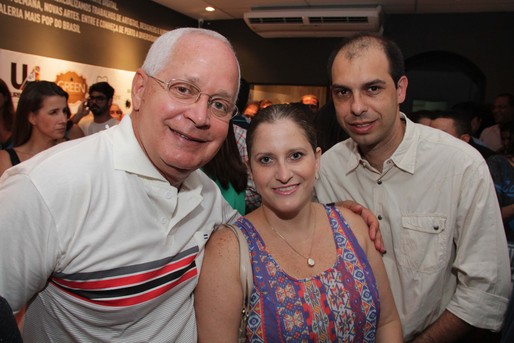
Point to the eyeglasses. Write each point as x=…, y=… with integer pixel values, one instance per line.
x=116, y=112
x=188, y=93
x=97, y=98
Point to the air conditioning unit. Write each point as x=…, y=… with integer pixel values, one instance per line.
x=314, y=22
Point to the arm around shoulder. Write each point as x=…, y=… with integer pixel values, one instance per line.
x=389, y=328
x=218, y=295
x=370, y=220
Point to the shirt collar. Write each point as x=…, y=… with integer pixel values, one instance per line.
x=405, y=155
x=130, y=157
x=128, y=154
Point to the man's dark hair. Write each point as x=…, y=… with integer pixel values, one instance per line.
x=104, y=88
x=364, y=40
x=461, y=121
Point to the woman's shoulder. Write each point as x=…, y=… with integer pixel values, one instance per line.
x=224, y=234
x=223, y=241
x=356, y=224
x=349, y=215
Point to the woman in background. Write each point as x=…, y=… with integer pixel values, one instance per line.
x=317, y=276
x=40, y=122
x=229, y=172
x=6, y=115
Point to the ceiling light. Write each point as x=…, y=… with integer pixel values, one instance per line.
x=210, y=9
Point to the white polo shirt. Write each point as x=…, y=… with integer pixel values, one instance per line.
x=111, y=249
x=88, y=125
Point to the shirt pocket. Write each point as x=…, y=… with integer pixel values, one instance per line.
x=423, y=243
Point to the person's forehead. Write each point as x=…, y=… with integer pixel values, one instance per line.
x=289, y=125
x=368, y=64
x=196, y=55
x=503, y=100
x=356, y=52
x=188, y=46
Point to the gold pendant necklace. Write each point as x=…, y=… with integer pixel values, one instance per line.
x=310, y=261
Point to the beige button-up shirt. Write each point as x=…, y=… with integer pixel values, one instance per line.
x=441, y=223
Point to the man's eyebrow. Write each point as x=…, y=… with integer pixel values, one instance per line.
x=367, y=84
x=221, y=93
x=374, y=83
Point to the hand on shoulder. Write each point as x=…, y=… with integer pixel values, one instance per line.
x=358, y=226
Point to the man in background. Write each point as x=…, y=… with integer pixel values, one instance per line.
x=503, y=111
x=459, y=126
x=99, y=103
x=116, y=112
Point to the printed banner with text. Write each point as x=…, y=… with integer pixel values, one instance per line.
x=75, y=78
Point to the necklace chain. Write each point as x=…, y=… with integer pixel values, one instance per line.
x=310, y=260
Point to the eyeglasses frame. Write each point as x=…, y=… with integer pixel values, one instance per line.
x=167, y=86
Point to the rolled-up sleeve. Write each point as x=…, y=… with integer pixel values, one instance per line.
x=481, y=262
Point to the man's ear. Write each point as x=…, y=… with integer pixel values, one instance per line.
x=401, y=88
x=465, y=137
x=138, y=88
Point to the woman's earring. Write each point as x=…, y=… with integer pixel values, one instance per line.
x=316, y=176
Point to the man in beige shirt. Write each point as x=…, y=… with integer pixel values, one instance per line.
x=446, y=254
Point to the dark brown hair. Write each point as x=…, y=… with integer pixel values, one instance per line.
x=31, y=100
x=365, y=40
x=7, y=109
x=227, y=167
x=273, y=113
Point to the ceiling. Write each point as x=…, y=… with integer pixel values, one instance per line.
x=235, y=9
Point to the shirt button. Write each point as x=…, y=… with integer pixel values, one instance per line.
x=436, y=227
x=164, y=220
x=379, y=217
x=379, y=182
x=168, y=194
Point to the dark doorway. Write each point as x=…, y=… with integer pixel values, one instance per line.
x=441, y=79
